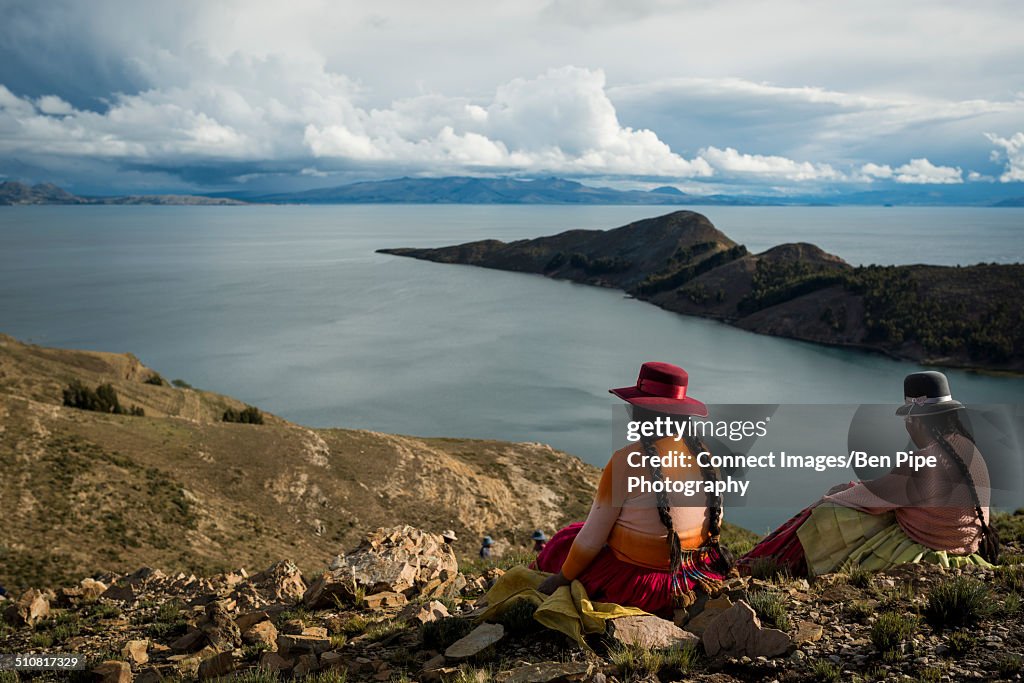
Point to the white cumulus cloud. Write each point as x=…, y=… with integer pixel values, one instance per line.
x=922, y=172
x=732, y=161
x=1012, y=149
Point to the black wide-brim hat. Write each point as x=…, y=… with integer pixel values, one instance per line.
x=927, y=393
x=661, y=387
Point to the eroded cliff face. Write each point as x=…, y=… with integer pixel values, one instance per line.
x=180, y=489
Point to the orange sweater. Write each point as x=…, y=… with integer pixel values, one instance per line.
x=934, y=505
x=628, y=523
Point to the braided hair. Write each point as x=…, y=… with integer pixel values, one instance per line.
x=938, y=427
x=724, y=561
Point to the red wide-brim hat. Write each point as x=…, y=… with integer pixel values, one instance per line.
x=662, y=387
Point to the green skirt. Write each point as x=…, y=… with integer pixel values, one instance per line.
x=836, y=538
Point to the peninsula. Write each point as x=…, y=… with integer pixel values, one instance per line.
x=967, y=317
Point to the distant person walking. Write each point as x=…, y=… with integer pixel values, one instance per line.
x=539, y=539
x=485, y=548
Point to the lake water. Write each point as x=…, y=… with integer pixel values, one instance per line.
x=290, y=309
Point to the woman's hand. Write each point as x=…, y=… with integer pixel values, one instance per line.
x=553, y=583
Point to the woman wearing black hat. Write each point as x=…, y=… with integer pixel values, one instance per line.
x=934, y=514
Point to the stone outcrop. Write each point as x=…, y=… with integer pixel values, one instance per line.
x=401, y=559
x=650, y=632
x=737, y=632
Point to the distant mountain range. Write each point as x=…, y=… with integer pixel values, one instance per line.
x=19, y=194
x=465, y=190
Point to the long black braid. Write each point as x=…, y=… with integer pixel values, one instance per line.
x=675, y=550
x=724, y=560
x=950, y=423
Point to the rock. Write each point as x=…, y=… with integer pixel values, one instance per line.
x=445, y=673
x=264, y=632
x=32, y=607
x=298, y=644
x=136, y=651
x=424, y=614
x=113, y=672
x=712, y=608
x=384, y=600
x=360, y=664
x=216, y=665
x=396, y=560
x=279, y=583
x=435, y=663
x=807, y=632
x=547, y=672
x=318, y=631
x=332, y=660
x=478, y=640
x=738, y=632
x=91, y=589
x=150, y=674
x=293, y=627
x=188, y=642
x=306, y=665
x=329, y=589
x=272, y=661
x=122, y=593
x=648, y=631
x=220, y=628
x=244, y=621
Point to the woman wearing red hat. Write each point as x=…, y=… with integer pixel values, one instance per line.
x=638, y=548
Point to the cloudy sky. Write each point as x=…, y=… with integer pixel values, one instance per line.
x=728, y=95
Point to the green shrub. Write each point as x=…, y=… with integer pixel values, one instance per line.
x=638, y=662
x=518, y=617
x=859, y=577
x=102, y=399
x=383, y=629
x=438, y=635
x=249, y=415
x=768, y=568
x=155, y=379
x=1011, y=606
x=961, y=643
x=770, y=607
x=1010, y=665
x=860, y=610
x=824, y=671
x=890, y=630
x=1011, y=577
x=181, y=384
x=959, y=601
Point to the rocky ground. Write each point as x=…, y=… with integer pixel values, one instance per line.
x=399, y=607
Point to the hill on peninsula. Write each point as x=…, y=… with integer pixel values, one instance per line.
x=952, y=316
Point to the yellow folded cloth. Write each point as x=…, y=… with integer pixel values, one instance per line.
x=567, y=610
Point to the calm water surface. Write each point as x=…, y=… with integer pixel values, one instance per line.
x=290, y=309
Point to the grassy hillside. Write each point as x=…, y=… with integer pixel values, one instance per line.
x=180, y=489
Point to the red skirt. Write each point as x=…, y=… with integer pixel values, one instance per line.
x=609, y=579
x=782, y=546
